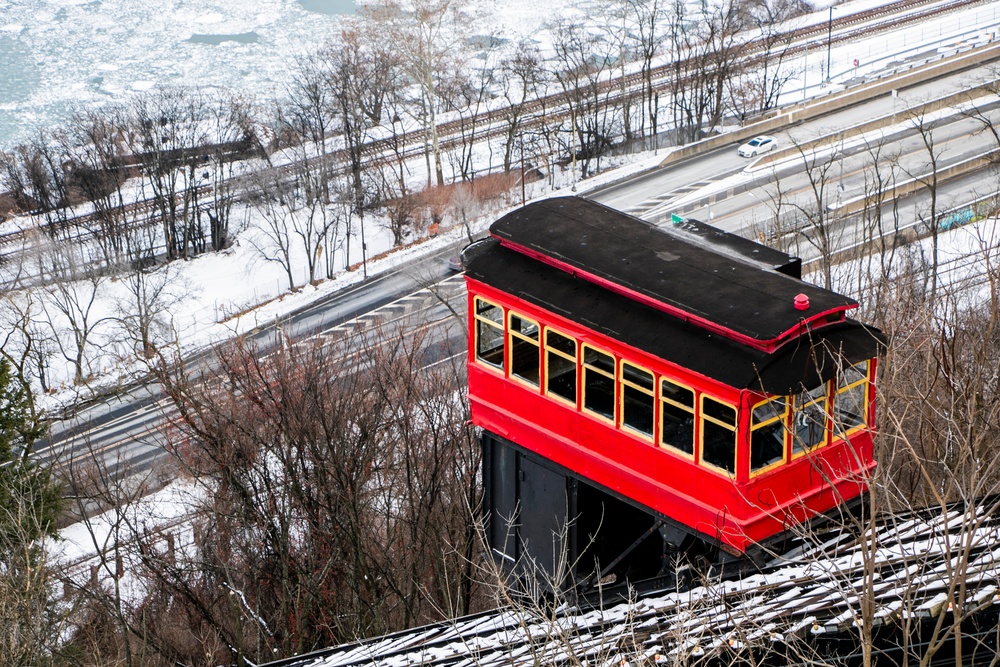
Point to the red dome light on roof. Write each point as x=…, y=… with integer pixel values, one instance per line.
x=801, y=302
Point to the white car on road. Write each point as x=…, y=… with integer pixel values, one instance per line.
x=757, y=145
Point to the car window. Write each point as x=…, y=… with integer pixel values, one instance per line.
x=754, y=142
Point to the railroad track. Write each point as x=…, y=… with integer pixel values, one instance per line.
x=663, y=76
x=753, y=52
x=917, y=568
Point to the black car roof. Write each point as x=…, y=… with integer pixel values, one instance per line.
x=685, y=274
x=804, y=362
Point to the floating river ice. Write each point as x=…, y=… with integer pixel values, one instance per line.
x=56, y=55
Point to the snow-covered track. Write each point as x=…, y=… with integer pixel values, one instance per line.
x=920, y=570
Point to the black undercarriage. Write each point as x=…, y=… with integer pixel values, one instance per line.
x=555, y=533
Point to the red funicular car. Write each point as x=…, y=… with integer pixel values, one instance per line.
x=644, y=391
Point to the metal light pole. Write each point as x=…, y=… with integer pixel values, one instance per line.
x=829, y=38
x=805, y=70
x=364, y=247
x=572, y=113
x=521, y=138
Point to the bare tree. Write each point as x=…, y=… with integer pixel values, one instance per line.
x=99, y=166
x=35, y=176
x=270, y=198
x=363, y=74
x=426, y=35
x=144, y=313
x=648, y=18
x=926, y=173
x=757, y=85
x=311, y=110
x=26, y=345
x=340, y=503
x=299, y=220
x=940, y=417
x=465, y=95
x=619, y=41
x=879, y=222
x=707, y=58
x=237, y=139
x=107, y=503
x=401, y=211
x=821, y=226
x=521, y=76
x=70, y=303
x=583, y=61
x=160, y=132
x=981, y=114
x=174, y=135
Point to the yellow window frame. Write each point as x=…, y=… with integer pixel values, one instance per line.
x=827, y=423
x=490, y=323
x=547, y=349
x=866, y=401
x=733, y=428
x=537, y=343
x=651, y=392
x=584, y=367
x=783, y=418
x=692, y=410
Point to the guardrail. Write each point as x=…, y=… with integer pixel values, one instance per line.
x=910, y=185
x=836, y=101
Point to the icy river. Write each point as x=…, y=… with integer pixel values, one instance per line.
x=56, y=55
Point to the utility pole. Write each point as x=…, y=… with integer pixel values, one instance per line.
x=829, y=38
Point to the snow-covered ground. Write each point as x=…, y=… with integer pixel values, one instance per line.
x=215, y=296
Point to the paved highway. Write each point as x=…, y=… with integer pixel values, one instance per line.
x=650, y=195
x=780, y=198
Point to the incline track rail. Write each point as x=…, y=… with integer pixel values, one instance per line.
x=918, y=568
